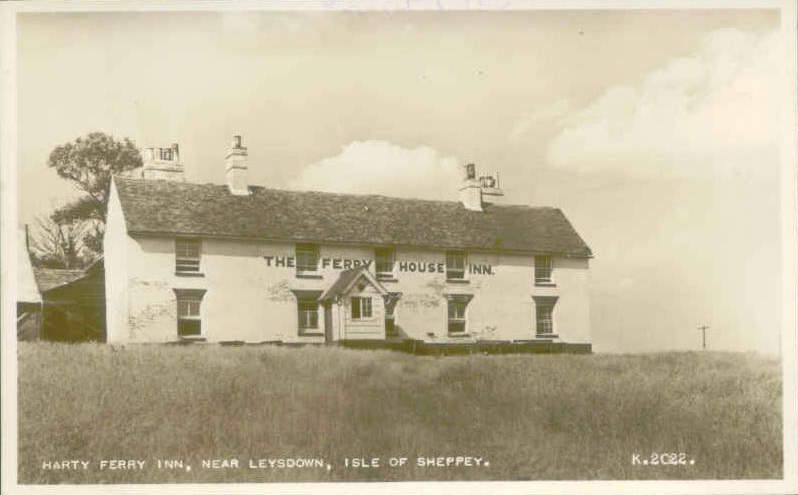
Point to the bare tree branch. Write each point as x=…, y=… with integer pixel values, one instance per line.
x=59, y=245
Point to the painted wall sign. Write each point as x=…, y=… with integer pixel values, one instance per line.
x=421, y=267
x=402, y=266
x=334, y=263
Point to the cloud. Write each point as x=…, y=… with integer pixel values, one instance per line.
x=381, y=167
x=542, y=116
x=716, y=112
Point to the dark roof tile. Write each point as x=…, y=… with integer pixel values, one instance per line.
x=181, y=208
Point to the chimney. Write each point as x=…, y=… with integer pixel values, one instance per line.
x=470, y=189
x=162, y=163
x=475, y=191
x=236, y=168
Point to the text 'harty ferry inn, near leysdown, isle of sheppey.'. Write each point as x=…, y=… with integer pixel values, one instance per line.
x=243, y=263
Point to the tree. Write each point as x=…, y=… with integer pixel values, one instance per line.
x=59, y=245
x=89, y=162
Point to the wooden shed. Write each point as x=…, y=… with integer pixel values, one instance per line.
x=73, y=303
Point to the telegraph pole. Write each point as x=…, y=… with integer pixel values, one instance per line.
x=704, y=329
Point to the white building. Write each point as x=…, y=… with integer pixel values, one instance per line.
x=237, y=262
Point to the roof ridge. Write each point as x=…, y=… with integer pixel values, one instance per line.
x=331, y=193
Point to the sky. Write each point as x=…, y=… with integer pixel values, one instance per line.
x=656, y=132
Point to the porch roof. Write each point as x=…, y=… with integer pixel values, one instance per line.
x=346, y=279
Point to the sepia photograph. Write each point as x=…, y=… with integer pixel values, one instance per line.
x=262, y=247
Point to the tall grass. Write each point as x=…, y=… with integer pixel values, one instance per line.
x=531, y=416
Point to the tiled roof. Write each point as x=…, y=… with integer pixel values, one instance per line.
x=346, y=279
x=342, y=282
x=50, y=278
x=182, y=208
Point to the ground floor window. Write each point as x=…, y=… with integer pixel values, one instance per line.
x=308, y=312
x=544, y=315
x=361, y=307
x=189, y=316
x=457, y=305
x=545, y=324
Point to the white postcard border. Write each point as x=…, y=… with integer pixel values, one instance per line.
x=8, y=256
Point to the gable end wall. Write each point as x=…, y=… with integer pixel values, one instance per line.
x=115, y=252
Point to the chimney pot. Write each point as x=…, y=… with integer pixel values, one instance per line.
x=236, y=141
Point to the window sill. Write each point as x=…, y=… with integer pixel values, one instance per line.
x=191, y=338
x=457, y=281
x=458, y=335
x=311, y=334
x=547, y=336
x=313, y=276
x=189, y=274
x=545, y=284
x=387, y=278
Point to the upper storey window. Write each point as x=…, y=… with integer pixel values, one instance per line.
x=384, y=261
x=543, y=269
x=166, y=154
x=187, y=256
x=307, y=258
x=455, y=265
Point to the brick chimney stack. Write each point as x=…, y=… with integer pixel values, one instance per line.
x=476, y=192
x=236, y=168
x=470, y=189
x=162, y=163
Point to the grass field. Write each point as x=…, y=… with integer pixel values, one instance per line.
x=530, y=417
